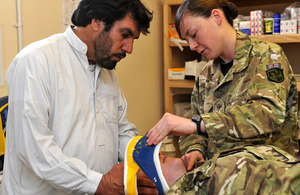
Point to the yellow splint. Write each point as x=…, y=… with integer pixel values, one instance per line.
x=130, y=168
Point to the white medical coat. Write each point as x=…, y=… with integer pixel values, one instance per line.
x=64, y=130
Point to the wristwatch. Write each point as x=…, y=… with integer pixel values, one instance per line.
x=197, y=119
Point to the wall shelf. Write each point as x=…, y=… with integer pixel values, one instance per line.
x=181, y=83
x=288, y=38
x=281, y=39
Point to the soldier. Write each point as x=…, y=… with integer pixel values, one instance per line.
x=246, y=94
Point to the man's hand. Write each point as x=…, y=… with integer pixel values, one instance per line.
x=190, y=158
x=113, y=181
x=145, y=185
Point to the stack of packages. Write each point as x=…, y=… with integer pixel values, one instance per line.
x=262, y=22
x=257, y=22
x=290, y=19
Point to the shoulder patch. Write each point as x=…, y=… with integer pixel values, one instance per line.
x=274, y=56
x=275, y=75
x=275, y=65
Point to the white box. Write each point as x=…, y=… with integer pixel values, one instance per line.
x=288, y=27
x=176, y=73
x=193, y=68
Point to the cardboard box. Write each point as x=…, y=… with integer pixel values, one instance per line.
x=257, y=22
x=245, y=27
x=176, y=73
x=172, y=31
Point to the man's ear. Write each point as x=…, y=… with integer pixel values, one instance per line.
x=217, y=16
x=97, y=25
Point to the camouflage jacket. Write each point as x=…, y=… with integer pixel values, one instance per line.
x=243, y=170
x=254, y=103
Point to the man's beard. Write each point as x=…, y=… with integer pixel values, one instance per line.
x=103, y=45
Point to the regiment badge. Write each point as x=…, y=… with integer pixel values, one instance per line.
x=275, y=73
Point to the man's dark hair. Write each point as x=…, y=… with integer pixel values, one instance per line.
x=110, y=11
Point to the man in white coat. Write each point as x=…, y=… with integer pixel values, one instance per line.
x=67, y=126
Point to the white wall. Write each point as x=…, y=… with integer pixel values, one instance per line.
x=141, y=74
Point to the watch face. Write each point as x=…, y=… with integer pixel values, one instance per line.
x=196, y=117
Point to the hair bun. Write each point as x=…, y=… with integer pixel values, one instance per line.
x=229, y=8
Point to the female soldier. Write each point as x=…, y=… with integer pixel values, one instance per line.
x=246, y=94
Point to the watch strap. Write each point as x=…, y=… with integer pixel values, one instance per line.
x=198, y=123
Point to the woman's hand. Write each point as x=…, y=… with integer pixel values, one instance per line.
x=170, y=124
x=190, y=158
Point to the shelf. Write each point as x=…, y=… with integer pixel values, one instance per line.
x=248, y=3
x=190, y=84
x=288, y=38
x=171, y=44
x=174, y=2
x=181, y=83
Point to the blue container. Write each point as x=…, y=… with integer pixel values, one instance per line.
x=276, y=24
x=246, y=31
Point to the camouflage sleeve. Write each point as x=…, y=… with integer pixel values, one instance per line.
x=241, y=171
x=194, y=141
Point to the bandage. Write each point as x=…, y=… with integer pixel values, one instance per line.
x=130, y=168
x=147, y=157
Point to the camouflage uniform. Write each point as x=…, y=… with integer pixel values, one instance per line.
x=243, y=170
x=254, y=103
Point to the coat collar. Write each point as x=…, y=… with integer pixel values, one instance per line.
x=76, y=43
x=241, y=59
x=242, y=52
